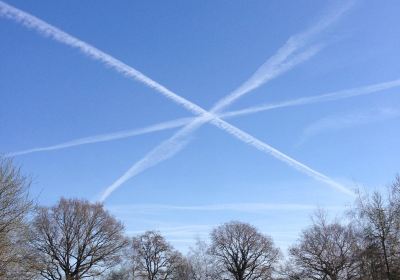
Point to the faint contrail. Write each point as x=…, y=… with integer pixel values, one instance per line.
x=332, y=96
x=105, y=137
x=276, y=65
x=238, y=207
x=159, y=153
x=343, y=121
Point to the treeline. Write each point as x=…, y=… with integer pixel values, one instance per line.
x=76, y=239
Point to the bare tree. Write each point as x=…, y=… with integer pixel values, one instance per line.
x=124, y=270
x=242, y=252
x=394, y=204
x=182, y=269
x=154, y=258
x=118, y=274
x=75, y=239
x=325, y=251
x=202, y=262
x=14, y=208
x=378, y=220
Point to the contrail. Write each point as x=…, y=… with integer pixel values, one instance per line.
x=276, y=65
x=50, y=31
x=332, y=96
x=164, y=151
x=327, y=97
x=129, y=133
x=56, y=34
x=46, y=29
x=237, y=207
x=106, y=137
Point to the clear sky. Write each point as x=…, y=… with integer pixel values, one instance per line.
x=202, y=50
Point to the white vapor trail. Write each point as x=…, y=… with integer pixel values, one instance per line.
x=129, y=133
x=48, y=30
x=56, y=34
x=236, y=207
x=279, y=63
x=106, y=137
x=332, y=96
x=174, y=144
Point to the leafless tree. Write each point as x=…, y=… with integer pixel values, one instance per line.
x=378, y=220
x=154, y=258
x=242, y=252
x=118, y=274
x=14, y=208
x=202, y=262
x=394, y=204
x=183, y=269
x=325, y=251
x=124, y=270
x=75, y=239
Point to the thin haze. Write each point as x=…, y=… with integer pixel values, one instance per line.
x=236, y=207
x=327, y=97
x=159, y=154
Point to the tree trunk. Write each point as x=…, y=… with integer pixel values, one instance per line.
x=388, y=274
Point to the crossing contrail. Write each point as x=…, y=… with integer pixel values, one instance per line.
x=163, y=152
x=327, y=97
x=279, y=63
x=160, y=153
x=129, y=133
x=53, y=32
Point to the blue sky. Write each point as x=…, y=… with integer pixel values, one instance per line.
x=52, y=93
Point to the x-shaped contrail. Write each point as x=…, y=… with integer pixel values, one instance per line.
x=168, y=148
x=326, y=97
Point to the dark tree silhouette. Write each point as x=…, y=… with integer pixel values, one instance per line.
x=324, y=251
x=155, y=259
x=242, y=252
x=75, y=239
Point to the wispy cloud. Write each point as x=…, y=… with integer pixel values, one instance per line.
x=232, y=207
x=183, y=234
x=339, y=122
x=179, y=232
x=179, y=140
x=188, y=233
x=279, y=63
x=327, y=97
